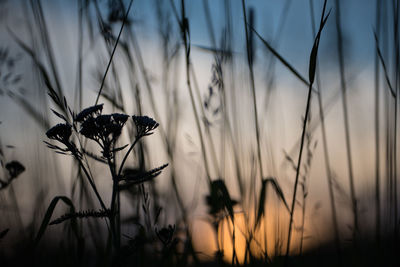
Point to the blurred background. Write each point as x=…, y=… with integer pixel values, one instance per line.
x=230, y=101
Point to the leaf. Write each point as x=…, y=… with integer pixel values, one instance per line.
x=261, y=203
x=59, y=115
x=49, y=213
x=94, y=156
x=119, y=148
x=314, y=52
x=134, y=177
x=313, y=62
x=157, y=215
x=281, y=59
x=212, y=49
x=384, y=66
x=278, y=191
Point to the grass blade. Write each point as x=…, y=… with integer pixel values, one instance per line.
x=261, y=203
x=49, y=213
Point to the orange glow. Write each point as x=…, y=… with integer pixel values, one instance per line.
x=275, y=226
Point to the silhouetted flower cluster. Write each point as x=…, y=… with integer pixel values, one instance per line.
x=89, y=112
x=61, y=132
x=144, y=125
x=104, y=129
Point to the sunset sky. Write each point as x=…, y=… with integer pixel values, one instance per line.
x=287, y=26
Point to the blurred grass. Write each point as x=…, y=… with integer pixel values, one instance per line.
x=236, y=162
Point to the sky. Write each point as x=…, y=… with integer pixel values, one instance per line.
x=282, y=120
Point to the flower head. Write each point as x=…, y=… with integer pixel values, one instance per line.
x=61, y=132
x=89, y=112
x=14, y=168
x=104, y=126
x=89, y=129
x=144, y=125
x=104, y=129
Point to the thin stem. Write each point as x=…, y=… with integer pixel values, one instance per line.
x=253, y=91
x=91, y=182
x=113, y=52
x=78, y=90
x=377, y=142
x=346, y=118
x=303, y=134
x=396, y=85
x=298, y=167
x=325, y=149
x=206, y=126
x=126, y=156
x=115, y=234
x=184, y=23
